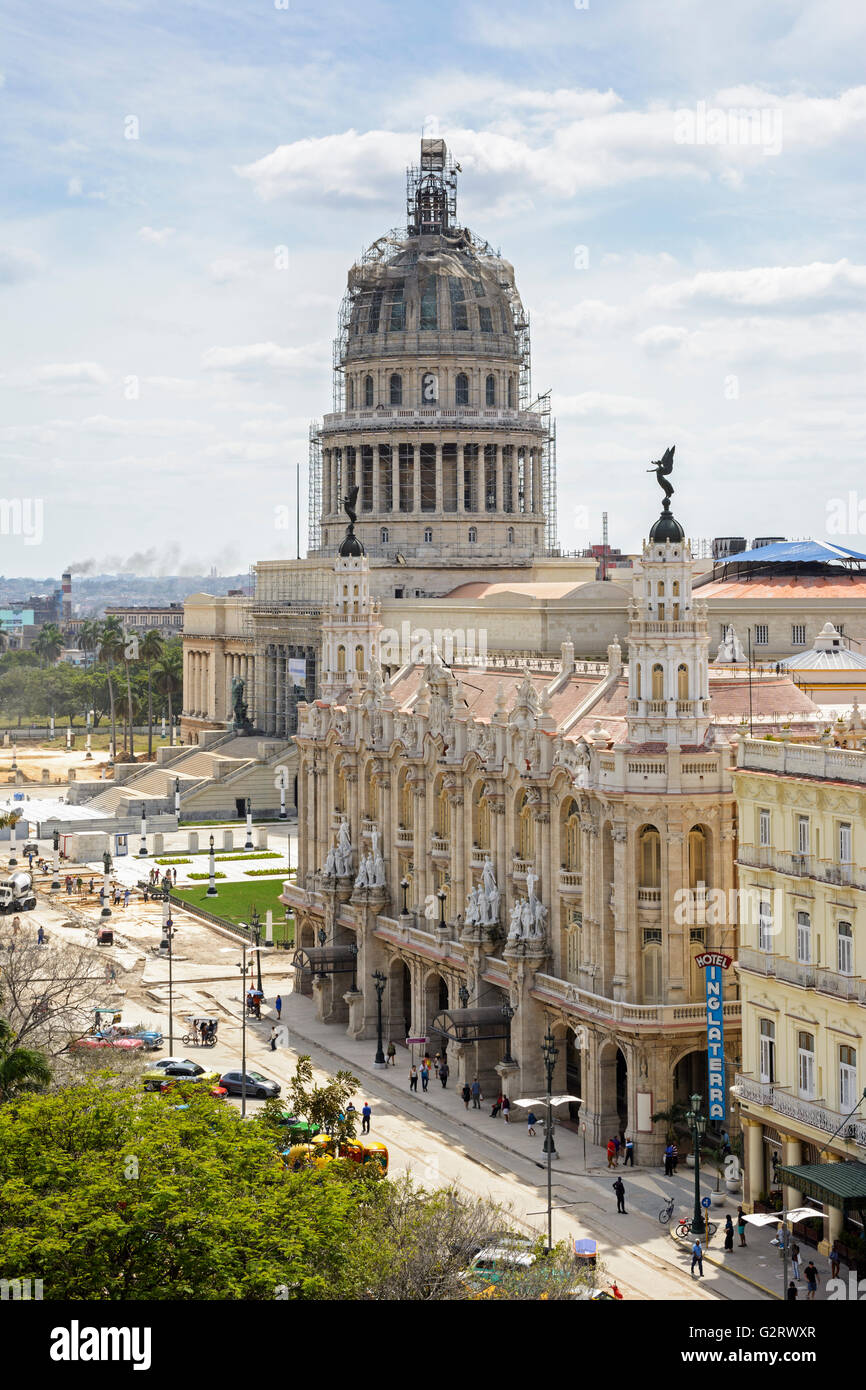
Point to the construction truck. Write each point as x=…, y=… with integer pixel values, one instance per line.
x=16, y=893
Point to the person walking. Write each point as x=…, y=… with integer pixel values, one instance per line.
x=392, y=1055
x=729, y=1232
x=697, y=1258
x=793, y=1291
x=476, y=1093
x=278, y=1005
x=79, y=884
x=413, y=1078
x=40, y=936
x=611, y=1154
x=669, y=1161
x=675, y=1157
x=466, y=1094
x=125, y=897
x=835, y=1257
x=812, y=1277
x=506, y=1109
x=273, y=1040
x=795, y=1261
x=741, y=1225
x=444, y=1072
x=425, y=1074
x=629, y=1153
x=366, y=1112
x=619, y=1189
x=531, y=1122
x=617, y=1146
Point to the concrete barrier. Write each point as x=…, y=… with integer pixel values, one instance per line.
x=193, y=840
x=228, y=840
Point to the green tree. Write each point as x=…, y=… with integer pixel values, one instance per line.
x=89, y=637
x=22, y=1069
x=110, y=652
x=168, y=674
x=49, y=643
x=323, y=1105
x=150, y=651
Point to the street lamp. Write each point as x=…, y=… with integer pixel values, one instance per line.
x=245, y=967
x=353, y=948
x=249, y=842
x=442, y=895
x=463, y=994
x=211, y=886
x=176, y=787
x=168, y=935
x=549, y=1052
x=508, y=1013
x=323, y=936
x=379, y=981
x=55, y=879
x=142, y=849
x=698, y=1123
x=106, y=885
x=255, y=923
x=404, y=884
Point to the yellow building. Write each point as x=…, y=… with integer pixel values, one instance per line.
x=802, y=958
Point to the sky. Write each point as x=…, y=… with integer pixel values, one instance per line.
x=679, y=188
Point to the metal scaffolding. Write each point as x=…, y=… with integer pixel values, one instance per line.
x=314, y=490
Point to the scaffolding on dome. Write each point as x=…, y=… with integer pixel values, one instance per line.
x=548, y=473
x=314, y=490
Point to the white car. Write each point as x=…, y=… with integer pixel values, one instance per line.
x=174, y=1061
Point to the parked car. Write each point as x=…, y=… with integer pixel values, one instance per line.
x=160, y=1078
x=94, y=1040
x=151, y=1038
x=164, y=1062
x=261, y=1087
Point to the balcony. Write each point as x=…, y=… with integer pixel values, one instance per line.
x=793, y=972
x=570, y=881
x=478, y=857
x=405, y=838
x=400, y=417
x=650, y=1016
x=781, y=861
x=440, y=847
x=808, y=1112
x=650, y=898
x=520, y=867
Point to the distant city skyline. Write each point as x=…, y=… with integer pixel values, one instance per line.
x=678, y=190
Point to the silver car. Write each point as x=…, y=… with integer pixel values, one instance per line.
x=261, y=1087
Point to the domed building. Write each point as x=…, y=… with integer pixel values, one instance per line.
x=433, y=418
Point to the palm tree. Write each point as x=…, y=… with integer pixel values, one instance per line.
x=168, y=674
x=126, y=660
x=151, y=649
x=88, y=637
x=49, y=643
x=4, y=642
x=21, y=1068
x=110, y=651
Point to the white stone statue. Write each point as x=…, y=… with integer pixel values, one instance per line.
x=731, y=649
x=539, y=920
x=493, y=900
x=374, y=838
x=330, y=868
x=473, y=909
x=527, y=917
x=361, y=879
x=531, y=880
x=514, y=928
x=378, y=867
x=488, y=877
x=345, y=841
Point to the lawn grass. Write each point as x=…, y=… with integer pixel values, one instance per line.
x=234, y=902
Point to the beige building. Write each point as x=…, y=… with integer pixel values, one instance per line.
x=801, y=860
x=539, y=842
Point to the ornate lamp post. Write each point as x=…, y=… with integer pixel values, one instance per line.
x=176, y=786
x=698, y=1123
x=211, y=885
x=55, y=877
x=283, y=776
x=404, y=884
x=442, y=895
x=255, y=923
x=549, y=1052
x=323, y=936
x=354, y=950
x=249, y=841
x=508, y=1013
x=142, y=849
x=106, y=884
x=168, y=935
x=379, y=981
x=463, y=994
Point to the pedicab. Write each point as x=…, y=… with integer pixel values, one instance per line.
x=305, y=1156
x=356, y=1150
x=203, y=1033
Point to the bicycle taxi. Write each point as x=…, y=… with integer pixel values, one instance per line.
x=202, y=1032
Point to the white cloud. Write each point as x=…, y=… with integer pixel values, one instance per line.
x=818, y=284
x=17, y=265
x=253, y=358
x=157, y=428
x=75, y=188
x=60, y=377
x=157, y=236
x=599, y=405
x=227, y=269
x=664, y=337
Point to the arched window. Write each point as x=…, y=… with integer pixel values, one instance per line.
x=396, y=389
x=406, y=812
x=511, y=535
x=571, y=836
x=383, y=535
x=697, y=856
x=359, y=659
x=682, y=682
x=473, y=535
x=525, y=830
x=368, y=390
x=341, y=659
x=650, y=848
x=658, y=692
x=350, y=391
x=481, y=819
x=511, y=393
x=461, y=390
x=443, y=814
x=428, y=535
x=490, y=391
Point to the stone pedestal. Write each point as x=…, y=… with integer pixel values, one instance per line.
x=158, y=844
x=228, y=839
x=192, y=841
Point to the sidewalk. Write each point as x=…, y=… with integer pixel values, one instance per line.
x=758, y=1265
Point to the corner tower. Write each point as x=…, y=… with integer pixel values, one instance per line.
x=434, y=420
x=668, y=640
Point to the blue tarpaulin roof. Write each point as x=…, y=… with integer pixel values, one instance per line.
x=795, y=552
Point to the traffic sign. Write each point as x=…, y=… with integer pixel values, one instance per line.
x=706, y=1202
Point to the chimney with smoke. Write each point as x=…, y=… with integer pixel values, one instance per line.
x=66, y=586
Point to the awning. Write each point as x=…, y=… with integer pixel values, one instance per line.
x=837, y=1184
x=471, y=1025
x=327, y=960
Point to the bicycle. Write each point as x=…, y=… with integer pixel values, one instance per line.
x=684, y=1227
x=667, y=1212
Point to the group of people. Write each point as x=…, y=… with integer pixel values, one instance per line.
x=620, y=1144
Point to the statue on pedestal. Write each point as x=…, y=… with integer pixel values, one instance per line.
x=330, y=868
x=344, y=849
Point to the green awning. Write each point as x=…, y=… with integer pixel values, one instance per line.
x=837, y=1184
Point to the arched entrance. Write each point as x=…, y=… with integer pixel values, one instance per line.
x=435, y=1001
x=613, y=1091
x=400, y=1000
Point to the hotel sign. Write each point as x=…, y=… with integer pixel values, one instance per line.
x=714, y=962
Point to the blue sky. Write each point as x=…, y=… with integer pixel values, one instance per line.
x=158, y=372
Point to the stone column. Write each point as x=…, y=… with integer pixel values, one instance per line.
x=439, y=479
x=461, y=475
x=619, y=835
x=753, y=1152
x=674, y=876
x=416, y=480
x=376, y=490
x=458, y=850
x=497, y=458
x=793, y=1156
x=395, y=477
x=422, y=848
x=537, y=500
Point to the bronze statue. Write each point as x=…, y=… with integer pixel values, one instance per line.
x=240, y=713
x=662, y=468
x=349, y=505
